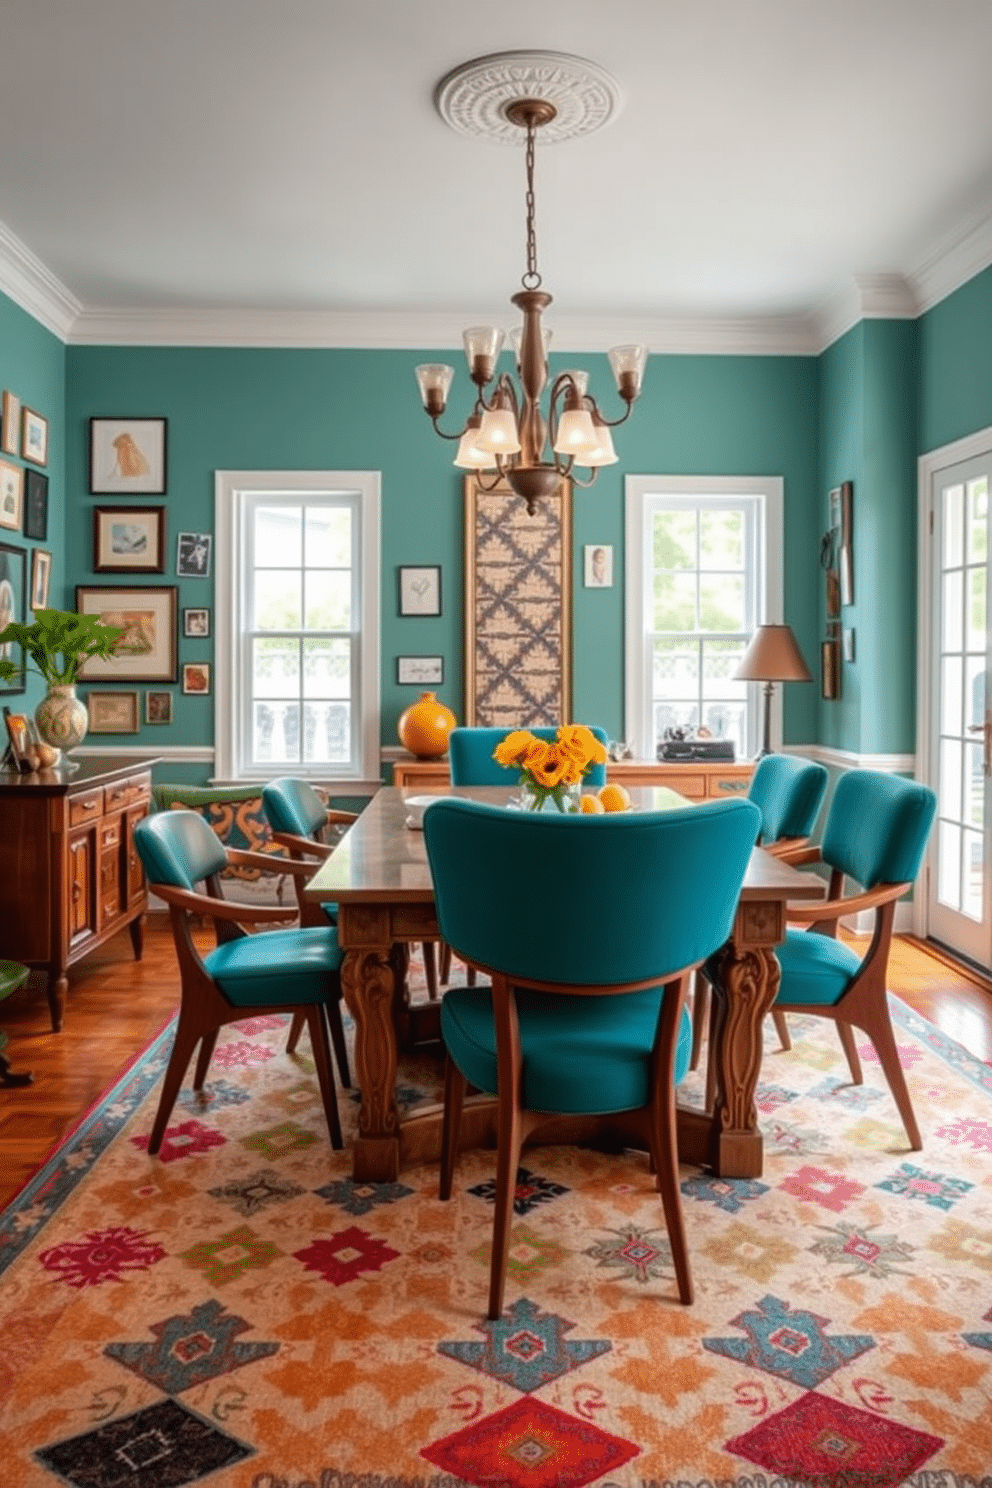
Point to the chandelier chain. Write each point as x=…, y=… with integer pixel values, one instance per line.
x=531, y=279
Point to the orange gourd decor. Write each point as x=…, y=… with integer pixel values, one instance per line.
x=425, y=726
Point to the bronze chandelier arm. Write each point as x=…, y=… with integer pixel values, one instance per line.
x=594, y=409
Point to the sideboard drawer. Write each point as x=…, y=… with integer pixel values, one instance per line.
x=126, y=792
x=737, y=784
x=85, y=807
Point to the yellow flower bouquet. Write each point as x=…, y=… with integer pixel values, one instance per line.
x=551, y=771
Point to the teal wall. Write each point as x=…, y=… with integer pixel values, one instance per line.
x=955, y=344
x=32, y=367
x=273, y=409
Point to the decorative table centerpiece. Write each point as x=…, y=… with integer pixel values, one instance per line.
x=551, y=771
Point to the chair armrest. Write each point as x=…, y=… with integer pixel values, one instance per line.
x=307, y=845
x=239, y=857
x=222, y=909
x=344, y=817
x=790, y=849
x=835, y=909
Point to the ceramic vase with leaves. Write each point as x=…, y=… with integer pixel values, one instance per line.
x=57, y=643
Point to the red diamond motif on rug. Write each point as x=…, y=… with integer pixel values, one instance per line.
x=530, y=1445
x=835, y=1445
x=346, y=1255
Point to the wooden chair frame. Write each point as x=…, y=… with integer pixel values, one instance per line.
x=204, y=1010
x=653, y=1124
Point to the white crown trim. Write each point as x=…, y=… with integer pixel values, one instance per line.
x=865, y=297
x=26, y=280
x=958, y=257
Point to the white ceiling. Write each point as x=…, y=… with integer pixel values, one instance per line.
x=280, y=164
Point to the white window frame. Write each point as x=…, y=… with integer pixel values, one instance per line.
x=697, y=489
x=232, y=492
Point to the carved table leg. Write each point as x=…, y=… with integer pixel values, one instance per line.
x=368, y=981
x=58, y=986
x=745, y=989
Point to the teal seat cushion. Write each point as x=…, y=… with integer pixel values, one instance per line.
x=582, y=1055
x=284, y=966
x=815, y=968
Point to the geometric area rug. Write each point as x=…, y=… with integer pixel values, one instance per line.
x=238, y=1312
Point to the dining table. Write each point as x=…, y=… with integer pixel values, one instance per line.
x=380, y=880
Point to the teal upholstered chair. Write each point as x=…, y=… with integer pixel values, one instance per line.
x=788, y=791
x=281, y=971
x=589, y=968
x=470, y=756
x=875, y=834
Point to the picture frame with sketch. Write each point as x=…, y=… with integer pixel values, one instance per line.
x=193, y=553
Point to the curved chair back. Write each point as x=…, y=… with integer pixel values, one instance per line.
x=588, y=900
x=291, y=805
x=788, y=791
x=877, y=827
x=178, y=848
x=470, y=756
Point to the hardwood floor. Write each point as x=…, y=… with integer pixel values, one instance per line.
x=116, y=1005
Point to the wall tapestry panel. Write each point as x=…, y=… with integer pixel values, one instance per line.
x=518, y=664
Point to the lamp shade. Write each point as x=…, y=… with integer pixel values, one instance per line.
x=773, y=655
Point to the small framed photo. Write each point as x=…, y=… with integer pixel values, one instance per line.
x=829, y=670
x=11, y=495
x=41, y=573
x=196, y=622
x=127, y=455
x=420, y=590
x=10, y=425
x=193, y=555
x=420, y=670
x=13, y=568
x=34, y=437
x=113, y=712
x=129, y=539
x=196, y=677
x=36, y=505
x=158, y=707
x=847, y=637
x=147, y=651
x=598, y=566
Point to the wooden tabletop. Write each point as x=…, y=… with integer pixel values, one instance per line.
x=380, y=859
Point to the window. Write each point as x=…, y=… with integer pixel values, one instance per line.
x=703, y=570
x=297, y=599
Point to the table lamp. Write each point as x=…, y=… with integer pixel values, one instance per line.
x=773, y=655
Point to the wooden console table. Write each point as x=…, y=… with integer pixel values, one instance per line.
x=697, y=781
x=70, y=875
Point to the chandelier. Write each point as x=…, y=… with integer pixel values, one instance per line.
x=507, y=432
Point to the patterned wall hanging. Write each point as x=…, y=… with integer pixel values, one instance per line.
x=518, y=607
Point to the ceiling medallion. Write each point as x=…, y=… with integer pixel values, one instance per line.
x=474, y=97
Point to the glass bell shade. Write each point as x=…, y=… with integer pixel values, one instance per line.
x=604, y=453
x=434, y=380
x=517, y=336
x=576, y=435
x=628, y=367
x=470, y=456
x=483, y=345
x=498, y=433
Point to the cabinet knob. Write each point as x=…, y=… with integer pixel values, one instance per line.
x=77, y=890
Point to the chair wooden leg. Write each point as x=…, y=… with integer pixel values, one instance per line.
x=454, y=1098
x=430, y=969
x=325, y=1075
x=295, y=1029
x=879, y=1030
x=333, y=1009
x=204, y=1057
x=846, y=1035
x=507, y=1163
x=444, y=968
x=700, y=1015
x=186, y=1040
x=782, y=1029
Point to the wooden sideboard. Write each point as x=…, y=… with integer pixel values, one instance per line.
x=699, y=782
x=71, y=877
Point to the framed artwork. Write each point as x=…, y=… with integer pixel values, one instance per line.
x=34, y=437
x=147, y=651
x=196, y=677
x=129, y=539
x=193, y=555
x=10, y=425
x=196, y=622
x=420, y=590
x=518, y=608
x=158, y=707
x=41, y=573
x=847, y=543
x=113, y=712
x=830, y=669
x=13, y=569
x=420, y=670
x=848, y=643
x=597, y=566
x=36, y=505
x=127, y=455
x=11, y=495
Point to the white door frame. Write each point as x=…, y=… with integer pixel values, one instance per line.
x=968, y=448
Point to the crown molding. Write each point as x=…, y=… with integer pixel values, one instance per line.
x=865, y=297
x=955, y=259
x=26, y=280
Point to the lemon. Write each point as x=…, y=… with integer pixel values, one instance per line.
x=591, y=804
x=614, y=797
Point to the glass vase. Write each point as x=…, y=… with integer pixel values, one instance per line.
x=563, y=798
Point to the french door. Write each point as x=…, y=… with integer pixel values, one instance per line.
x=959, y=891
